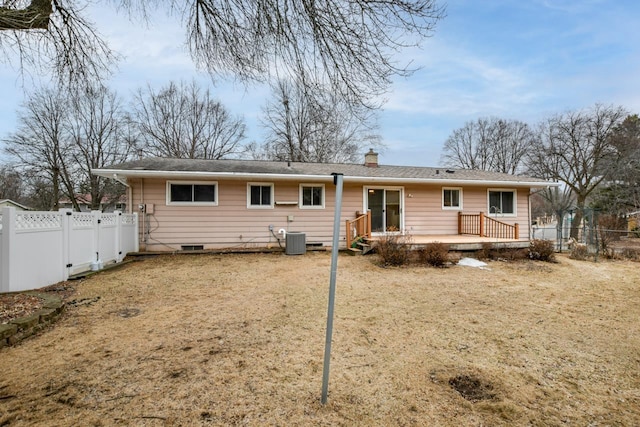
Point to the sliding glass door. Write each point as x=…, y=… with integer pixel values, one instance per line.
x=386, y=209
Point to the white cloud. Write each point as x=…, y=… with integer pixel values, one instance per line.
x=459, y=82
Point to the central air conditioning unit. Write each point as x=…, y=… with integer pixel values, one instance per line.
x=295, y=243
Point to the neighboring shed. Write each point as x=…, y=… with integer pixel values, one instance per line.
x=11, y=204
x=633, y=223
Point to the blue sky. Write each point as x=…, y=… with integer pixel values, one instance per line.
x=514, y=59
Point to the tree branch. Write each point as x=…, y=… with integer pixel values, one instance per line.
x=34, y=16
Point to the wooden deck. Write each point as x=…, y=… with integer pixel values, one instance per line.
x=474, y=230
x=463, y=242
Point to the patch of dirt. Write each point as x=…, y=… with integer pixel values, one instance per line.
x=83, y=301
x=129, y=312
x=472, y=388
x=239, y=340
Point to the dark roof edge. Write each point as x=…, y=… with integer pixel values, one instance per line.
x=119, y=174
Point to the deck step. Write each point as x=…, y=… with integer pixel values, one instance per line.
x=364, y=247
x=354, y=251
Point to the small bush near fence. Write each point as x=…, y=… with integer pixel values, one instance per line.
x=394, y=250
x=579, y=251
x=542, y=250
x=609, y=230
x=434, y=254
x=630, y=254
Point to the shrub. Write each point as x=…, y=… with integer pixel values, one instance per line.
x=630, y=254
x=609, y=253
x=435, y=254
x=579, y=251
x=610, y=228
x=486, y=252
x=515, y=254
x=394, y=249
x=542, y=250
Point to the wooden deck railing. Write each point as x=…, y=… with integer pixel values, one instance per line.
x=359, y=227
x=486, y=226
x=471, y=224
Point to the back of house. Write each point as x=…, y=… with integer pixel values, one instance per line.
x=208, y=204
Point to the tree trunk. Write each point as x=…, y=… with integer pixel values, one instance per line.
x=55, y=182
x=576, y=224
x=96, y=194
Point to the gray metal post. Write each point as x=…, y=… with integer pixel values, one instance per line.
x=337, y=180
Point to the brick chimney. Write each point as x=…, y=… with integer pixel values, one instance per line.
x=371, y=159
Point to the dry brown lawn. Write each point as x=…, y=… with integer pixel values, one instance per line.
x=239, y=340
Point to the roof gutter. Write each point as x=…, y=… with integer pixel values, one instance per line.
x=115, y=173
x=115, y=176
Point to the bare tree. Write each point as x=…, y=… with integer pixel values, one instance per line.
x=184, y=121
x=53, y=35
x=489, y=144
x=40, y=195
x=510, y=141
x=315, y=127
x=11, y=184
x=575, y=148
x=347, y=44
x=97, y=128
x=61, y=137
x=39, y=145
x=620, y=193
x=467, y=146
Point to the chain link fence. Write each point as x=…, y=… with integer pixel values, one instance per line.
x=596, y=232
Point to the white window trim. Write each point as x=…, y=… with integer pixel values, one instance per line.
x=452, y=208
x=168, y=193
x=261, y=184
x=515, y=203
x=300, y=197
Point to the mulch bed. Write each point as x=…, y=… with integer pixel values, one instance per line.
x=13, y=306
x=22, y=304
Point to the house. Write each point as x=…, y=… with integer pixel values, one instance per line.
x=633, y=223
x=107, y=204
x=193, y=204
x=11, y=204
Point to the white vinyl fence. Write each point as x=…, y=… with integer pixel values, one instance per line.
x=42, y=248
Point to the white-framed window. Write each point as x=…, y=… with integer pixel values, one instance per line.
x=311, y=196
x=502, y=202
x=260, y=195
x=192, y=193
x=452, y=198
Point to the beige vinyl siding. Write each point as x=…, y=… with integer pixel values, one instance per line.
x=232, y=224
x=424, y=214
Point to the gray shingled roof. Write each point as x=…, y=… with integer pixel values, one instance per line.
x=260, y=167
